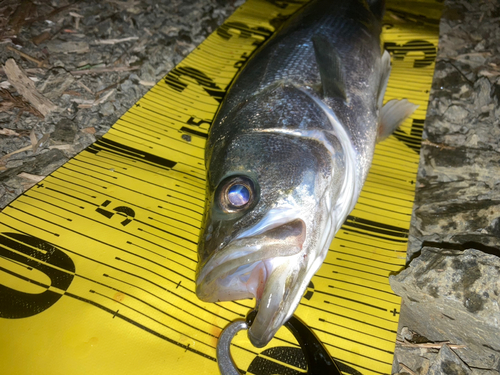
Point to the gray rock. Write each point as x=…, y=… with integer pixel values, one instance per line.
x=56, y=46
x=417, y=359
x=65, y=132
x=448, y=363
x=9, y=193
x=483, y=92
x=107, y=109
x=152, y=52
x=479, y=371
x=454, y=295
x=456, y=114
x=42, y=164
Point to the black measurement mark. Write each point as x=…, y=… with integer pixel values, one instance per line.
x=160, y=311
x=413, y=18
x=310, y=291
x=281, y=358
x=138, y=325
x=93, y=204
x=352, y=292
x=194, y=132
x=352, y=300
x=355, y=270
x=363, y=322
x=285, y=3
x=130, y=274
x=229, y=30
x=15, y=304
x=414, y=140
x=198, y=123
x=376, y=227
x=359, y=285
x=124, y=210
x=196, y=189
x=374, y=235
x=193, y=314
x=361, y=246
x=371, y=259
x=364, y=333
x=427, y=48
x=176, y=79
x=131, y=152
x=363, y=311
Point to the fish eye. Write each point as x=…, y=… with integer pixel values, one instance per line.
x=236, y=193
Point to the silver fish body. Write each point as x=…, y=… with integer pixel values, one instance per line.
x=288, y=154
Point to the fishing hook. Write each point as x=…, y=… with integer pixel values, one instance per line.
x=319, y=361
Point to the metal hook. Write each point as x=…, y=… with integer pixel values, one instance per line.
x=319, y=361
x=224, y=357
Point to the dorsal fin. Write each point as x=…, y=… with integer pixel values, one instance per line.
x=330, y=68
x=385, y=72
x=377, y=7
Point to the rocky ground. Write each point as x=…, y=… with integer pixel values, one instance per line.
x=92, y=60
x=451, y=289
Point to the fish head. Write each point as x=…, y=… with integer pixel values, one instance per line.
x=268, y=222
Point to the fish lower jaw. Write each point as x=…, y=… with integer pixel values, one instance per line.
x=250, y=282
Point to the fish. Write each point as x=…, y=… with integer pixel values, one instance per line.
x=287, y=156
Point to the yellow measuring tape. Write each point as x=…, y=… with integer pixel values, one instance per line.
x=97, y=261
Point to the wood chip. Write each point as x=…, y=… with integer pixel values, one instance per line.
x=441, y=146
x=89, y=130
x=5, y=157
x=6, y=106
x=25, y=86
x=40, y=63
x=62, y=147
x=72, y=93
x=105, y=70
x=10, y=102
x=40, y=38
x=146, y=83
x=68, y=47
x=38, y=143
x=81, y=84
x=115, y=41
x=33, y=139
x=31, y=177
x=29, y=71
x=104, y=97
x=5, y=131
x=42, y=142
x=430, y=345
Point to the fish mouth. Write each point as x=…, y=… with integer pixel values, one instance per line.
x=264, y=266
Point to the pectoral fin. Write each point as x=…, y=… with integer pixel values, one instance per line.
x=392, y=114
x=330, y=68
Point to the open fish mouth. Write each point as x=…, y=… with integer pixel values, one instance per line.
x=241, y=269
x=265, y=266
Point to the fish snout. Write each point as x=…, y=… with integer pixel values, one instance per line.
x=243, y=266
